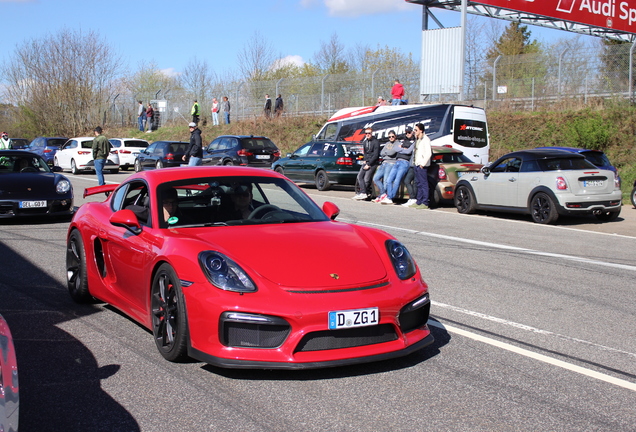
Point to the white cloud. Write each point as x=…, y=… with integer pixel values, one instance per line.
x=170, y=72
x=353, y=8
x=294, y=60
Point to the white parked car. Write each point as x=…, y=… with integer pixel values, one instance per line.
x=543, y=183
x=128, y=149
x=76, y=155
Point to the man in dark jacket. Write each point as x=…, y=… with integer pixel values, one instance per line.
x=364, y=185
x=101, y=149
x=278, y=107
x=195, y=149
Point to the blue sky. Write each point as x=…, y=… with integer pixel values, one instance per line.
x=171, y=33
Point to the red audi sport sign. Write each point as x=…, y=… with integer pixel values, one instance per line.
x=612, y=14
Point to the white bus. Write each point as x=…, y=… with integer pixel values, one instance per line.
x=459, y=126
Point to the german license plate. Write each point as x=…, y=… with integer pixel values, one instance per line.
x=262, y=156
x=32, y=204
x=353, y=318
x=463, y=173
x=591, y=183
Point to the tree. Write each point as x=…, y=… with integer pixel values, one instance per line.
x=148, y=82
x=197, y=80
x=519, y=62
x=614, y=70
x=62, y=84
x=330, y=58
x=256, y=58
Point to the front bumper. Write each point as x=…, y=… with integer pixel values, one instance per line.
x=280, y=336
x=57, y=207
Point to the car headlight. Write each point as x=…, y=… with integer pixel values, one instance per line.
x=224, y=273
x=63, y=186
x=401, y=258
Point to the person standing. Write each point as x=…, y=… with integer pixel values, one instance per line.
x=397, y=93
x=421, y=161
x=101, y=149
x=5, y=142
x=403, y=162
x=278, y=106
x=195, y=149
x=409, y=177
x=195, y=112
x=388, y=161
x=364, y=184
x=267, y=110
x=215, y=112
x=225, y=108
x=141, y=116
x=150, y=115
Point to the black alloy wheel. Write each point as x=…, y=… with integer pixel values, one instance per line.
x=464, y=200
x=542, y=209
x=169, y=322
x=76, y=277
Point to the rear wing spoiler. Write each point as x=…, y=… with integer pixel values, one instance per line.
x=107, y=189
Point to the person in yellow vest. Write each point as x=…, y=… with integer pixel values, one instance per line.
x=195, y=111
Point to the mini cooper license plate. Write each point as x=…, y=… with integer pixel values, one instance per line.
x=32, y=204
x=353, y=318
x=590, y=183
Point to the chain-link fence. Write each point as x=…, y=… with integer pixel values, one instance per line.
x=526, y=81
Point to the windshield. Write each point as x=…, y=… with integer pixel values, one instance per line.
x=237, y=200
x=23, y=164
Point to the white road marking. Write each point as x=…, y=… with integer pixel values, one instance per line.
x=529, y=328
x=505, y=247
x=540, y=357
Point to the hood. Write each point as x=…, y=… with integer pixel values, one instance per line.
x=300, y=255
x=24, y=183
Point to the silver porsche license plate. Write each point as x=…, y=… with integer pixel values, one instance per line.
x=353, y=318
x=32, y=204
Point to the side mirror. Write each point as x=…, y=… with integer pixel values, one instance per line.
x=485, y=171
x=56, y=168
x=126, y=219
x=289, y=155
x=331, y=210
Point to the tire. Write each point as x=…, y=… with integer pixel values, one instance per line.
x=137, y=165
x=464, y=200
x=437, y=198
x=124, y=168
x=633, y=196
x=55, y=163
x=74, y=169
x=159, y=164
x=608, y=216
x=228, y=163
x=322, y=181
x=542, y=209
x=279, y=169
x=169, y=321
x=76, y=277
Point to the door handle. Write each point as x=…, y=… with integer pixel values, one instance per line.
x=512, y=179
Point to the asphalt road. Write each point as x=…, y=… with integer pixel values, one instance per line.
x=534, y=327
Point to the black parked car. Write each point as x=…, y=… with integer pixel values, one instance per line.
x=161, y=154
x=323, y=163
x=246, y=150
x=47, y=147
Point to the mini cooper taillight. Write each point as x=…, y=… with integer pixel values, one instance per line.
x=561, y=184
x=442, y=173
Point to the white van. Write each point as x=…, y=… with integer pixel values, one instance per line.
x=459, y=126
